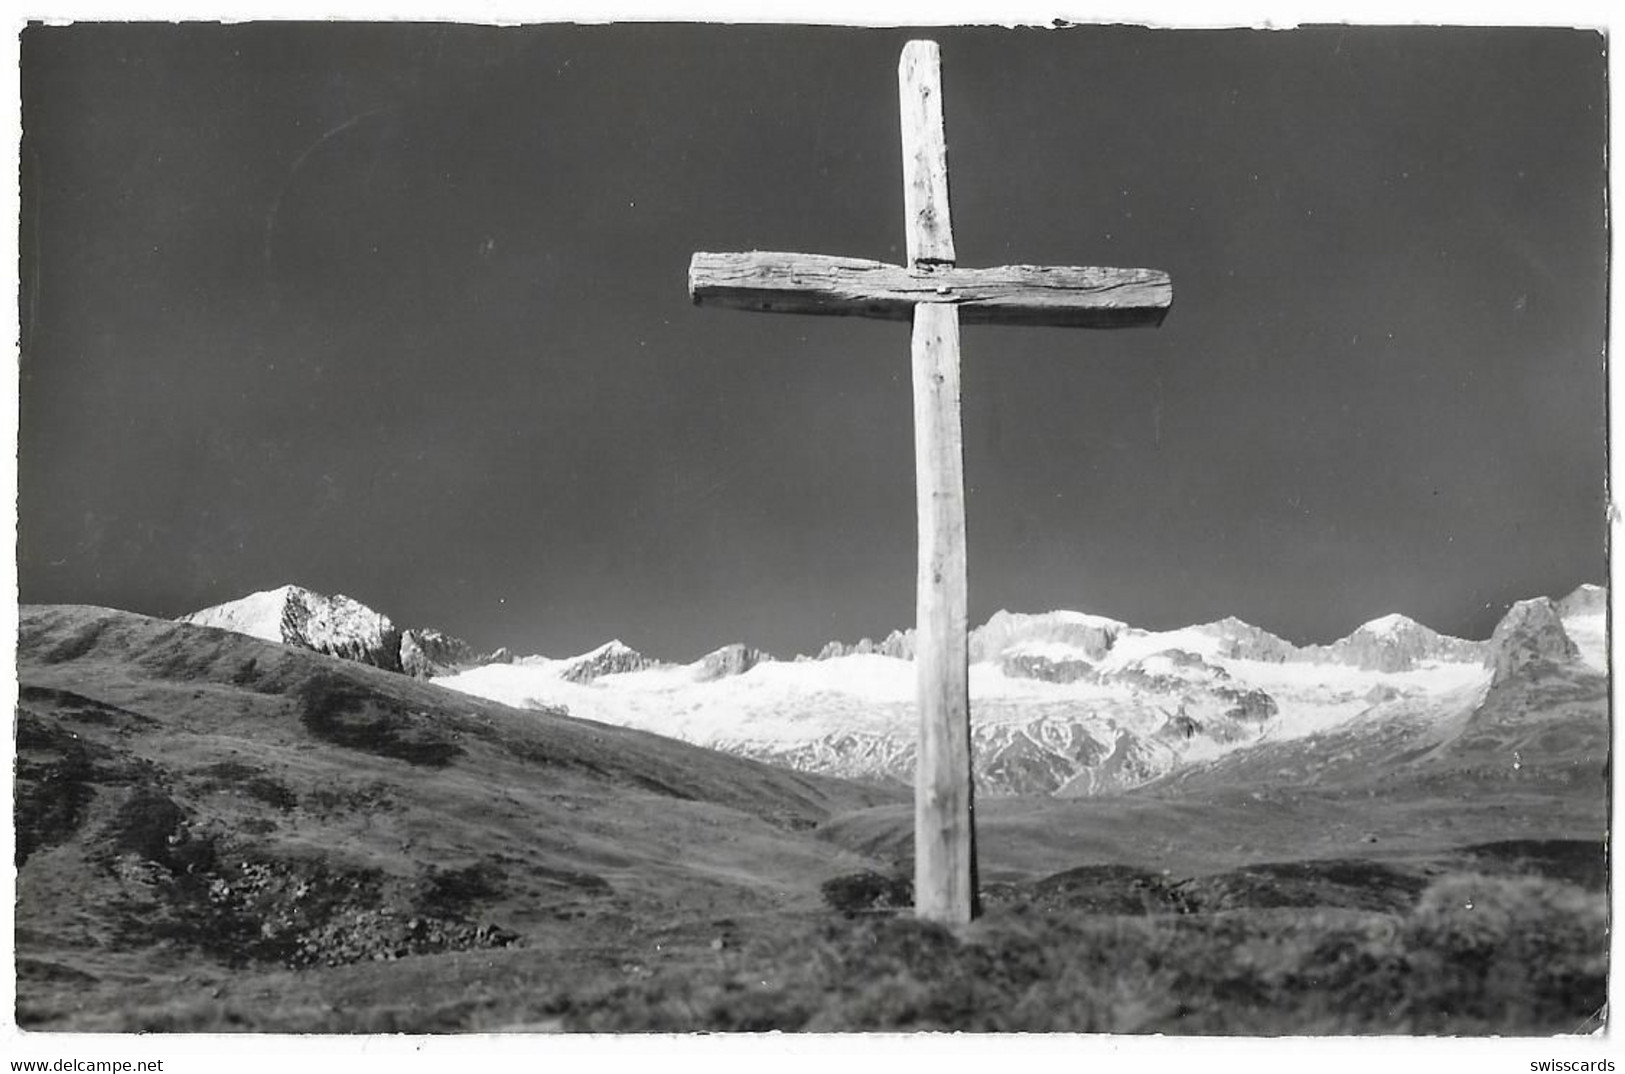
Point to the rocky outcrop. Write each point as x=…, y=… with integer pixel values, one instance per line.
x=336, y=625
x=1529, y=640
x=1586, y=600
x=1132, y=761
x=1016, y=764
x=1381, y=694
x=426, y=653
x=899, y=645
x=612, y=658
x=1585, y=618
x=1037, y=758
x=1042, y=668
x=1180, y=726
x=1170, y=671
x=1240, y=640
x=1090, y=635
x=1394, y=643
x=1248, y=706
x=735, y=659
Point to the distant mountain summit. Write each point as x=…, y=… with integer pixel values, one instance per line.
x=611, y=658
x=346, y=628
x=1397, y=643
x=730, y=660
x=1065, y=633
x=293, y=615
x=1240, y=640
x=1585, y=600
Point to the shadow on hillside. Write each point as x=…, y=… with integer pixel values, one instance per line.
x=343, y=713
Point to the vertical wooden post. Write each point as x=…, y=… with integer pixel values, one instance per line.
x=925, y=156
x=944, y=848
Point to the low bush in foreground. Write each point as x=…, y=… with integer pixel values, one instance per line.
x=1474, y=955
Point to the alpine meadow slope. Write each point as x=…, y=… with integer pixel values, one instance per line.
x=197, y=808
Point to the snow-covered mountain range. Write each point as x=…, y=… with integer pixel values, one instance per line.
x=1063, y=702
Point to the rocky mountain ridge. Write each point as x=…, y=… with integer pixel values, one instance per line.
x=341, y=626
x=1391, y=643
x=1064, y=702
x=1056, y=646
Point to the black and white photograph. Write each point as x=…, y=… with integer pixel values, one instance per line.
x=694, y=527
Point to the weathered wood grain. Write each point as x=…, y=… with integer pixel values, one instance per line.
x=1062, y=295
x=943, y=844
x=925, y=155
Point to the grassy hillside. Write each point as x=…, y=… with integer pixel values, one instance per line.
x=192, y=802
x=1466, y=954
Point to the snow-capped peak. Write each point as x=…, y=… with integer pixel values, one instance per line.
x=292, y=615
x=614, y=646
x=1586, y=599
x=1396, y=642
x=1392, y=623
x=1099, y=622
x=611, y=658
x=259, y=615
x=1091, y=636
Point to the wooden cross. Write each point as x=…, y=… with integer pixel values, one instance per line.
x=937, y=296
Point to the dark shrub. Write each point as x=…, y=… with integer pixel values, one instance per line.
x=868, y=892
x=451, y=893
x=50, y=796
x=148, y=824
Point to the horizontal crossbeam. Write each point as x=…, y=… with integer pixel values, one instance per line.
x=1066, y=296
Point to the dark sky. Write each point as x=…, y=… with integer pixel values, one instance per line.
x=400, y=311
